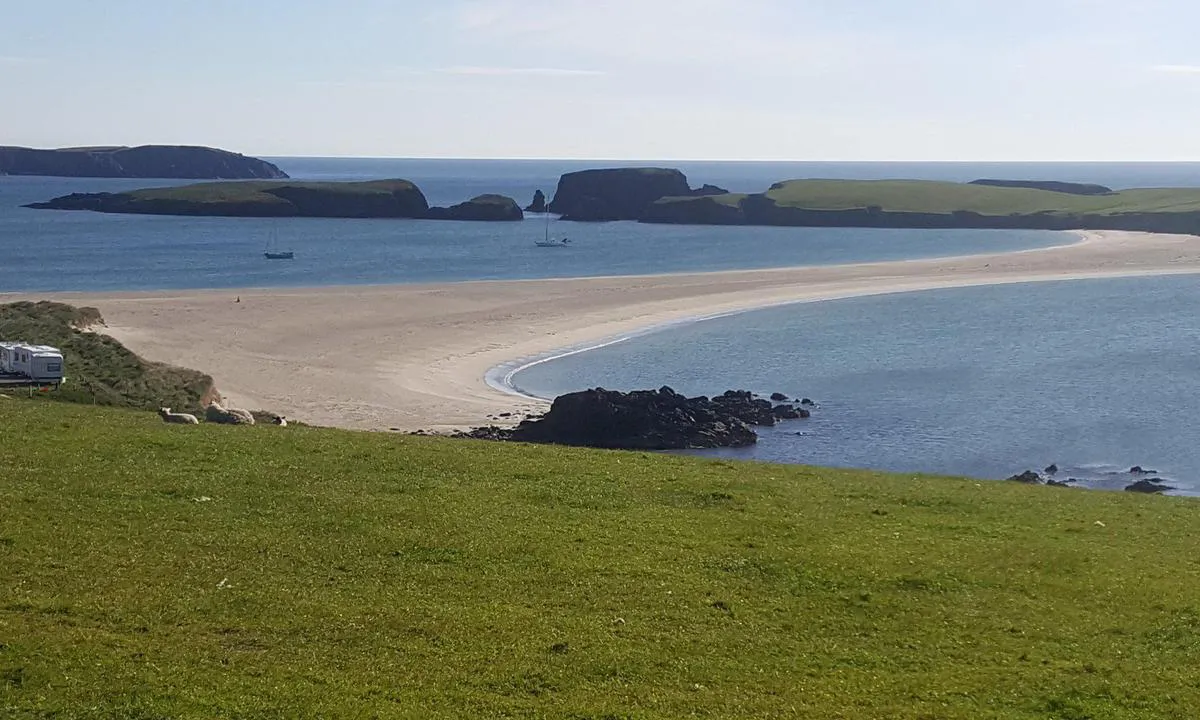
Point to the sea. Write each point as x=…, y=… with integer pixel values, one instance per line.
x=1094, y=376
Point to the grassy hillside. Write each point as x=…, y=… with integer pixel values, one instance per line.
x=154, y=571
x=943, y=197
x=259, y=191
x=99, y=369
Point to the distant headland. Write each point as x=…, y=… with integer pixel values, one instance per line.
x=663, y=195
x=145, y=161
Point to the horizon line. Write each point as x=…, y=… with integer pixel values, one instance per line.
x=1175, y=161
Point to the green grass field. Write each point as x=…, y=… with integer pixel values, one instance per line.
x=256, y=191
x=943, y=197
x=152, y=571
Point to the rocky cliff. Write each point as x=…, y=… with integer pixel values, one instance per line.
x=146, y=161
x=538, y=204
x=615, y=193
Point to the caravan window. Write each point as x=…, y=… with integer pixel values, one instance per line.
x=53, y=367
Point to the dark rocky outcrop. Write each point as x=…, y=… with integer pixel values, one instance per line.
x=146, y=161
x=646, y=420
x=1148, y=486
x=615, y=193
x=1051, y=185
x=538, y=205
x=481, y=208
x=1028, y=477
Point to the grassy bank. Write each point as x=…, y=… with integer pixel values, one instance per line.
x=99, y=369
x=153, y=571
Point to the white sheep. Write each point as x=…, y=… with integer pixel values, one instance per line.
x=214, y=413
x=180, y=418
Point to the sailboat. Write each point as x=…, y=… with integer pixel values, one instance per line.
x=546, y=241
x=275, y=254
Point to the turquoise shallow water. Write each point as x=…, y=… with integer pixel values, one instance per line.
x=1094, y=375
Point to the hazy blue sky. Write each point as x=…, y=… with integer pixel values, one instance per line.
x=661, y=79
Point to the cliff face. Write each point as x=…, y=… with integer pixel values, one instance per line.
x=147, y=161
x=615, y=193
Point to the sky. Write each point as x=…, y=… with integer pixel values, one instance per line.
x=610, y=79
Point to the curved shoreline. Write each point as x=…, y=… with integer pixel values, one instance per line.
x=506, y=372
x=420, y=356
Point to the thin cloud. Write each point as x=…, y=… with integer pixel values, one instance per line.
x=399, y=73
x=20, y=60
x=1178, y=69
x=538, y=71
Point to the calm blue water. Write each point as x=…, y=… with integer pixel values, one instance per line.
x=57, y=250
x=1094, y=375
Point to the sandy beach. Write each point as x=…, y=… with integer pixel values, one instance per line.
x=415, y=356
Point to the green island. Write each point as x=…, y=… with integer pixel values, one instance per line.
x=288, y=198
x=928, y=204
x=154, y=571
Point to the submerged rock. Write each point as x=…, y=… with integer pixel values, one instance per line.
x=1148, y=486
